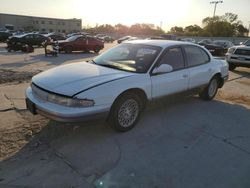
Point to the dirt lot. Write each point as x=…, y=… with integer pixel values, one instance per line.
x=36, y=152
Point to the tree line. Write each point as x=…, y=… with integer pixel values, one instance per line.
x=226, y=25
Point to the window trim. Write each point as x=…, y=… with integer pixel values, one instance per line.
x=200, y=48
x=161, y=56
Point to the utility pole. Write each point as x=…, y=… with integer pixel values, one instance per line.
x=161, y=24
x=249, y=30
x=215, y=5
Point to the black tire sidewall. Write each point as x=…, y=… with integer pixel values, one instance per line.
x=232, y=67
x=205, y=93
x=97, y=49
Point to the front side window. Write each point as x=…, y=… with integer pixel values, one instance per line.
x=196, y=56
x=247, y=43
x=81, y=39
x=129, y=57
x=28, y=37
x=174, y=58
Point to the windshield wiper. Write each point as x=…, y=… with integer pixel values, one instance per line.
x=108, y=65
x=92, y=61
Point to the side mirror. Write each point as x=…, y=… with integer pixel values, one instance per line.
x=163, y=68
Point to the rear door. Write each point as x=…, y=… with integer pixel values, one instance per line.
x=199, y=66
x=172, y=82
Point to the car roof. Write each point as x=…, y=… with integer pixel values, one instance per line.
x=160, y=43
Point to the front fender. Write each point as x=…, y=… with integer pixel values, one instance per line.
x=107, y=93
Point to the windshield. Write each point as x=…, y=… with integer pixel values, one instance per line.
x=129, y=57
x=73, y=38
x=220, y=43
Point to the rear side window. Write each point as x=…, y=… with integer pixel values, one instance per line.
x=196, y=56
x=174, y=58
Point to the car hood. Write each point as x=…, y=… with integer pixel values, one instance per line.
x=242, y=47
x=76, y=77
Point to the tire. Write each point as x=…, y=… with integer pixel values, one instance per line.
x=97, y=49
x=125, y=112
x=232, y=67
x=68, y=49
x=210, y=91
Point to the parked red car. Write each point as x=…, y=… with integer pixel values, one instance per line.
x=80, y=43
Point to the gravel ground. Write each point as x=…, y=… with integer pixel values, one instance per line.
x=8, y=76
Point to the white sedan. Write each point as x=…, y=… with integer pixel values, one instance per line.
x=118, y=83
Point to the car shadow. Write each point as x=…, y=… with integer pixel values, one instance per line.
x=244, y=72
x=92, y=148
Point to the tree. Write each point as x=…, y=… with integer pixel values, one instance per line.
x=241, y=31
x=227, y=25
x=121, y=29
x=177, y=30
x=193, y=30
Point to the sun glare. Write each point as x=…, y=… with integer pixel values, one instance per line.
x=159, y=12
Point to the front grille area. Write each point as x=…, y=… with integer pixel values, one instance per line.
x=242, y=52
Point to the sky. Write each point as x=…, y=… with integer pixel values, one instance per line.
x=165, y=13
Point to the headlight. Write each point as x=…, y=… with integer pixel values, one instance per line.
x=231, y=50
x=72, y=102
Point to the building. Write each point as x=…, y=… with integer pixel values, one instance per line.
x=42, y=24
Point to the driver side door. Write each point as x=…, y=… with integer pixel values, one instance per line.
x=80, y=43
x=172, y=82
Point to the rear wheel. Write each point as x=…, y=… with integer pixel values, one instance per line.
x=125, y=112
x=210, y=91
x=232, y=67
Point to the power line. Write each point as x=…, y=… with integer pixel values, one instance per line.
x=215, y=5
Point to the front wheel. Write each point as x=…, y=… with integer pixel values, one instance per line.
x=125, y=112
x=97, y=49
x=210, y=91
x=232, y=67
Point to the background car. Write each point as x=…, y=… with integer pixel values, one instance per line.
x=120, y=40
x=238, y=56
x=169, y=37
x=55, y=37
x=119, y=83
x=205, y=42
x=4, y=35
x=188, y=40
x=30, y=39
x=217, y=47
x=107, y=38
x=81, y=43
